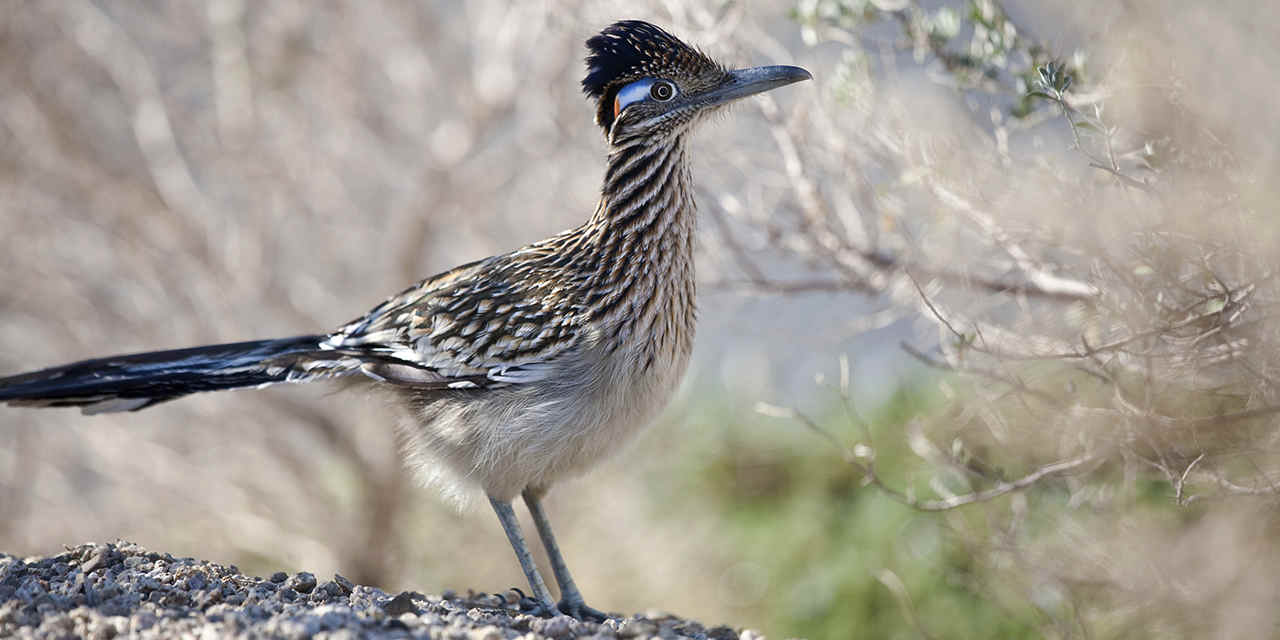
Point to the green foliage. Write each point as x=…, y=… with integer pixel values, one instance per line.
x=828, y=548
x=826, y=555
x=976, y=43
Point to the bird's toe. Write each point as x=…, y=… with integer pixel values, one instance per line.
x=579, y=609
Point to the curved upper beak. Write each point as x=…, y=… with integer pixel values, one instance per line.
x=747, y=82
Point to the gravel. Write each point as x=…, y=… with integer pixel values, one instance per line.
x=105, y=591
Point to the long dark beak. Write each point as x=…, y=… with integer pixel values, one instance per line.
x=747, y=82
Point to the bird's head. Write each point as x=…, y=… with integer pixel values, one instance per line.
x=648, y=83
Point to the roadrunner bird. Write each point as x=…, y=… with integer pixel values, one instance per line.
x=521, y=368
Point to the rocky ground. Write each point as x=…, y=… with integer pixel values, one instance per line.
x=104, y=591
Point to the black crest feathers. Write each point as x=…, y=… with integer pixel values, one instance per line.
x=633, y=49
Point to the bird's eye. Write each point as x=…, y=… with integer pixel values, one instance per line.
x=662, y=91
x=659, y=90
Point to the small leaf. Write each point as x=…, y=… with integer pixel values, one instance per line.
x=946, y=24
x=1087, y=125
x=774, y=411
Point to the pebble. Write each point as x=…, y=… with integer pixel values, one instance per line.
x=400, y=604
x=557, y=627
x=637, y=629
x=302, y=583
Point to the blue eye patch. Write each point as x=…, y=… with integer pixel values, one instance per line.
x=632, y=93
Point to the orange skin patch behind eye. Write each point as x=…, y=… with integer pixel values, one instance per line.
x=633, y=92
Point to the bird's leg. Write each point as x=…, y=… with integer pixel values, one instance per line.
x=570, y=598
x=507, y=516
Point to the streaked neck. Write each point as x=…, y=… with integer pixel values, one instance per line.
x=646, y=192
x=641, y=236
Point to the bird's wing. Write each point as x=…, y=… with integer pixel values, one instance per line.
x=487, y=324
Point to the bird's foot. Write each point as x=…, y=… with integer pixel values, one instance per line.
x=574, y=607
x=534, y=606
x=579, y=609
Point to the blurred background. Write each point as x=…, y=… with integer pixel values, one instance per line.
x=986, y=340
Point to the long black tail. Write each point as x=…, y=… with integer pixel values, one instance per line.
x=140, y=380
